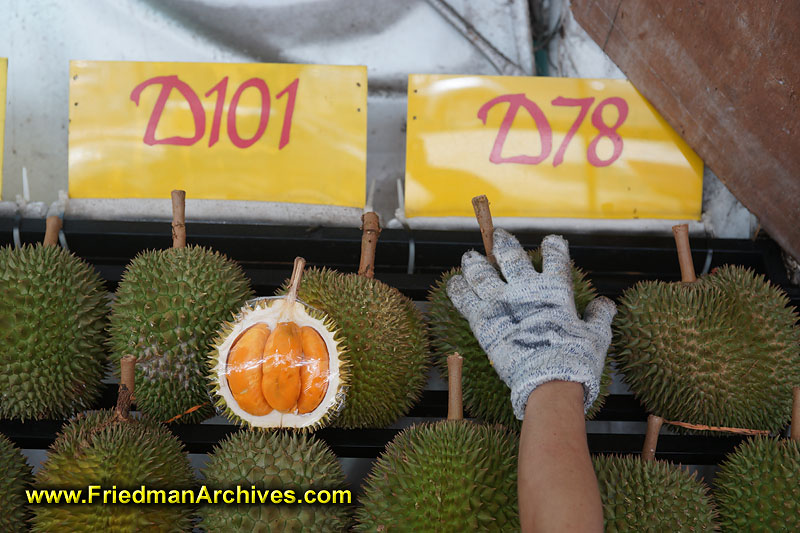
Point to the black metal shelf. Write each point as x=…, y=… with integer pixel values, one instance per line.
x=266, y=253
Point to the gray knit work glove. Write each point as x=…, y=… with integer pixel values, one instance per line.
x=528, y=324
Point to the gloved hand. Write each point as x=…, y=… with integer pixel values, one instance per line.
x=528, y=324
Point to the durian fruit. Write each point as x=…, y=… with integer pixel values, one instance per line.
x=169, y=305
x=15, y=480
x=452, y=475
x=485, y=394
x=52, y=321
x=652, y=496
x=274, y=460
x=280, y=363
x=111, y=449
x=382, y=332
x=721, y=351
x=757, y=487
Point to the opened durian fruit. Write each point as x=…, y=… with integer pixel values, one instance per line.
x=485, y=394
x=52, y=321
x=280, y=363
x=448, y=476
x=721, y=351
x=170, y=304
x=758, y=486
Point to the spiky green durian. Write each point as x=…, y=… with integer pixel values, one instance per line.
x=52, y=317
x=758, y=486
x=97, y=448
x=170, y=304
x=15, y=480
x=485, y=394
x=269, y=312
x=275, y=460
x=652, y=496
x=722, y=351
x=452, y=475
x=385, y=339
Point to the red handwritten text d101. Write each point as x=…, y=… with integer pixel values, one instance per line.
x=168, y=83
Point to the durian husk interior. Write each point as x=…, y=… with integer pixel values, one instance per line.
x=722, y=351
x=385, y=340
x=98, y=448
x=485, y=394
x=279, y=364
x=758, y=486
x=453, y=475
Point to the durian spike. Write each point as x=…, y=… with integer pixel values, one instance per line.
x=795, y=433
x=371, y=226
x=681, y=232
x=454, y=402
x=294, y=282
x=178, y=219
x=481, y=206
x=126, y=386
x=52, y=227
x=651, y=437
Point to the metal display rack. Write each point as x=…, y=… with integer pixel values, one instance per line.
x=613, y=263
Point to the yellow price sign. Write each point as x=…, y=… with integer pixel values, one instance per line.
x=264, y=132
x=3, y=76
x=544, y=147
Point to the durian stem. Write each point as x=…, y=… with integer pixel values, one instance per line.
x=126, y=386
x=294, y=282
x=795, y=433
x=179, y=219
x=52, y=227
x=371, y=227
x=481, y=206
x=454, y=403
x=651, y=437
x=681, y=232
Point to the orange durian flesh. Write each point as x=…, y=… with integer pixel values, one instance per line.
x=245, y=372
x=314, y=372
x=283, y=356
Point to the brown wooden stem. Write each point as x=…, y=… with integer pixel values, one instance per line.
x=681, y=232
x=455, y=404
x=294, y=282
x=179, y=219
x=371, y=228
x=651, y=437
x=126, y=386
x=795, y=433
x=481, y=206
x=52, y=227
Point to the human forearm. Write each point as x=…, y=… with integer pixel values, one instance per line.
x=557, y=484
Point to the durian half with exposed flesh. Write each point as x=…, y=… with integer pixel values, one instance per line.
x=280, y=363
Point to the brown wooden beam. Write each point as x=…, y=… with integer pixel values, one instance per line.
x=726, y=76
